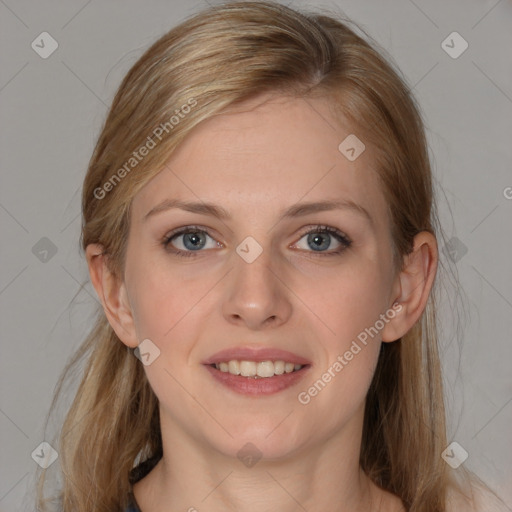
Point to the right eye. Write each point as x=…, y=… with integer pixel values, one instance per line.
x=188, y=240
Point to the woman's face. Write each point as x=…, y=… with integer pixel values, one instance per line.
x=255, y=282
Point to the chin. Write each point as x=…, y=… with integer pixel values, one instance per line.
x=254, y=442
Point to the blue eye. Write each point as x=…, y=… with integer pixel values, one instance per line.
x=320, y=238
x=189, y=240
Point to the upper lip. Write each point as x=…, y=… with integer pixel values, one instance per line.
x=256, y=354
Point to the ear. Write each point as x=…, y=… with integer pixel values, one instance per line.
x=413, y=286
x=112, y=293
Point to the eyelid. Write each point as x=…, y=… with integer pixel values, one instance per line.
x=324, y=228
x=191, y=228
x=343, y=239
x=187, y=228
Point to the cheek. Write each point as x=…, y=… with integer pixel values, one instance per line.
x=336, y=394
x=171, y=310
x=347, y=302
x=349, y=305
x=166, y=301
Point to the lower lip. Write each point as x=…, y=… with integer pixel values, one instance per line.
x=262, y=386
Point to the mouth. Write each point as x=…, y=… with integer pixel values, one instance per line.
x=256, y=371
x=257, y=378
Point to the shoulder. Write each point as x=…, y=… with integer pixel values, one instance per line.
x=475, y=498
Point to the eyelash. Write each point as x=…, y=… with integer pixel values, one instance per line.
x=338, y=235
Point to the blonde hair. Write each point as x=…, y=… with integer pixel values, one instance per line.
x=218, y=59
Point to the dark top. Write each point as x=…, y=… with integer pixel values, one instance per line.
x=137, y=474
x=132, y=507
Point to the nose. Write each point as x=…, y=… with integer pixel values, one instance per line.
x=256, y=294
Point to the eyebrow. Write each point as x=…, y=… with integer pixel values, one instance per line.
x=296, y=210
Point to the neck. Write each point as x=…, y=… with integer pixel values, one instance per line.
x=192, y=476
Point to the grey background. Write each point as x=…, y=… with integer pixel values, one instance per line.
x=52, y=110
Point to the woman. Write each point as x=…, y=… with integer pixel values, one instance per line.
x=259, y=226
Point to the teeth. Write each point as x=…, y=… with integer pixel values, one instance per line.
x=247, y=368
x=234, y=367
x=279, y=367
x=263, y=369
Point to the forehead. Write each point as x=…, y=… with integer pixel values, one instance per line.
x=265, y=155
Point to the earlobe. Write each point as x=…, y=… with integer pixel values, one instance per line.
x=414, y=283
x=112, y=294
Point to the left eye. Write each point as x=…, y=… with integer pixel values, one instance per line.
x=321, y=239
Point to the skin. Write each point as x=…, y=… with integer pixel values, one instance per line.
x=255, y=162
